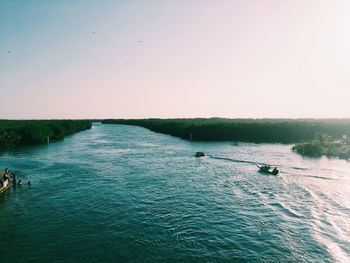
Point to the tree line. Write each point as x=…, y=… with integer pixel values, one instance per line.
x=247, y=130
x=14, y=133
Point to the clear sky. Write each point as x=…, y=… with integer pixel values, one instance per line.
x=166, y=58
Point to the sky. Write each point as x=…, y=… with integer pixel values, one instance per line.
x=174, y=59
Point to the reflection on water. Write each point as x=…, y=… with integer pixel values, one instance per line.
x=123, y=193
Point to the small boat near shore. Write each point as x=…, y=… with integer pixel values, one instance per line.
x=6, y=182
x=5, y=186
x=267, y=169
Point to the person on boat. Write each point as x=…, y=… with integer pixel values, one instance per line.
x=6, y=173
x=275, y=170
x=5, y=177
x=266, y=167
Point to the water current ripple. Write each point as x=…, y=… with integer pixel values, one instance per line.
x=120, y=193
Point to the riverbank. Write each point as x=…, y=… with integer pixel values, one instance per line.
x=286, y=131
x=319, y=147
x=118, y=186
x=15, y=133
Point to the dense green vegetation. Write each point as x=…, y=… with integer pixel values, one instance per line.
x=324, y=145
x=30, y=132
x=250, y=130
x=308, y=135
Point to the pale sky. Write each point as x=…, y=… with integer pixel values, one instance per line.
x=166, y=58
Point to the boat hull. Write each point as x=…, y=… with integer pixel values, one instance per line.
x=5, y=186
x=262, y=170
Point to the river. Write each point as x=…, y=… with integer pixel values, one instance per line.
x=119, y=193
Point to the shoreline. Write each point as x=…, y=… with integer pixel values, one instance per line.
x=283, y=131
x=17, y=133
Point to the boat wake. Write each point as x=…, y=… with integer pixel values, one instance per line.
x=233, y=160
x=286, y=170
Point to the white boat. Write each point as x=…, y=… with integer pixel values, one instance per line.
x=5, y=186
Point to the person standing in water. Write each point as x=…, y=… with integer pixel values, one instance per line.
x=14, y=181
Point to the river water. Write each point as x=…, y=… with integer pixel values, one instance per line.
x=120, y=193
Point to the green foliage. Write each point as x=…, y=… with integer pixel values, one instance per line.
x=8, y=138
x=308, y=149
x=322, y=136
x=250, y=130
x=31, y=132
x=323, y=145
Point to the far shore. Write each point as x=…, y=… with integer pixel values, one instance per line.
x=310, y=137
x=16, y=133
x=285, y=131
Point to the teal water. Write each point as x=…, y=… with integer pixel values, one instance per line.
x=121, y=193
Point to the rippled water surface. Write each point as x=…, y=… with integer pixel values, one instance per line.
x=121, y=193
